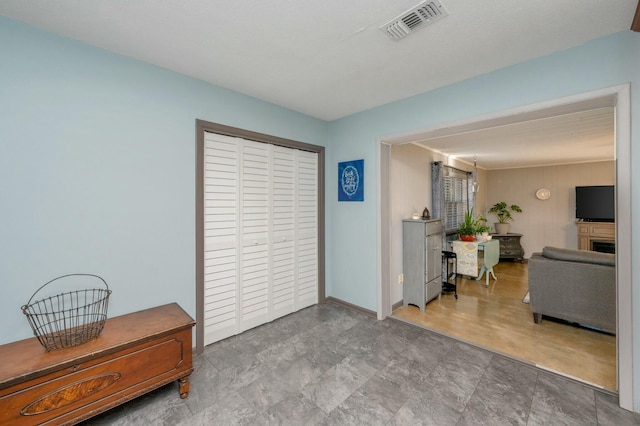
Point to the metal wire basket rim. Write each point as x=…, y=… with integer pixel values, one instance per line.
x=26, y=305
x=104, y=294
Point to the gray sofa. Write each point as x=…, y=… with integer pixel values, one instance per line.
x=574, y=285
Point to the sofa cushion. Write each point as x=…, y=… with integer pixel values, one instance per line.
x=582, y=256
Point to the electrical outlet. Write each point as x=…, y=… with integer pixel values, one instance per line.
x=400, y=278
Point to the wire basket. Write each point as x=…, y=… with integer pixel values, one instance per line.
x=70, y=318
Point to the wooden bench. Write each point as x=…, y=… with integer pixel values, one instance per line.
x=133, y=355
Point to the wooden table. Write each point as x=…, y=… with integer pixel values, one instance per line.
x=467, y=258
x=133, y=355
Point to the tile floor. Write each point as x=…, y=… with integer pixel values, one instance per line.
x=330, y=365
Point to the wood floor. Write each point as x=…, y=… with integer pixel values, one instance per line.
x=496, y=318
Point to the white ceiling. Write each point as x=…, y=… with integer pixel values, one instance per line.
x=328, y=58
x=533, y=139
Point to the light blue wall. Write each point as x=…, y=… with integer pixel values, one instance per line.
x=605, y=62
x=97, y=170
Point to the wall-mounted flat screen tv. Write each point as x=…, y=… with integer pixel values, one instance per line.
x=596, y=203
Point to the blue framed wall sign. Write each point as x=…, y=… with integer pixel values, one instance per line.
x=351, y=180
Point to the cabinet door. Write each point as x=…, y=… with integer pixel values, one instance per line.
x=433, y=257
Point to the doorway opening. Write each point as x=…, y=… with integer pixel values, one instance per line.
x=619, y=98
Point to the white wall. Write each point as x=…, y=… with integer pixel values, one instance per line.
x=550, y=222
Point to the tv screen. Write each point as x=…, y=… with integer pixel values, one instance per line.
x=595, y=203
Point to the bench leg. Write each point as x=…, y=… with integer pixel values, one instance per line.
x=183, y=383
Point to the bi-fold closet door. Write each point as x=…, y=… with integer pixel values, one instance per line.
x=261, y=233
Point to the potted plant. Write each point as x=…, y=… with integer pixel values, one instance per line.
x=467, y=229
x=482, y=230
x=503, y=212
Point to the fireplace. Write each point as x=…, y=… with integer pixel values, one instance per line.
x=603, y=246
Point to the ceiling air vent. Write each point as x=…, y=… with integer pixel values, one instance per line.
x=415, y=18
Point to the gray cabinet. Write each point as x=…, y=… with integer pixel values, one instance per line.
x=510, y=247
x=421, y=261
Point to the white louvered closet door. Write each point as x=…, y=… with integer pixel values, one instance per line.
x=254, y=231
x=283, y=179
x=221, y=237
x=260, y=234
x=307, y=230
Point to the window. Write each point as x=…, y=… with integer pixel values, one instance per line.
x=451, y=196
x=455, y=199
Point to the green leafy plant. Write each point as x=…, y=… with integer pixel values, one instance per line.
x=503, y=211
x=468, y=227
x=481, y=225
